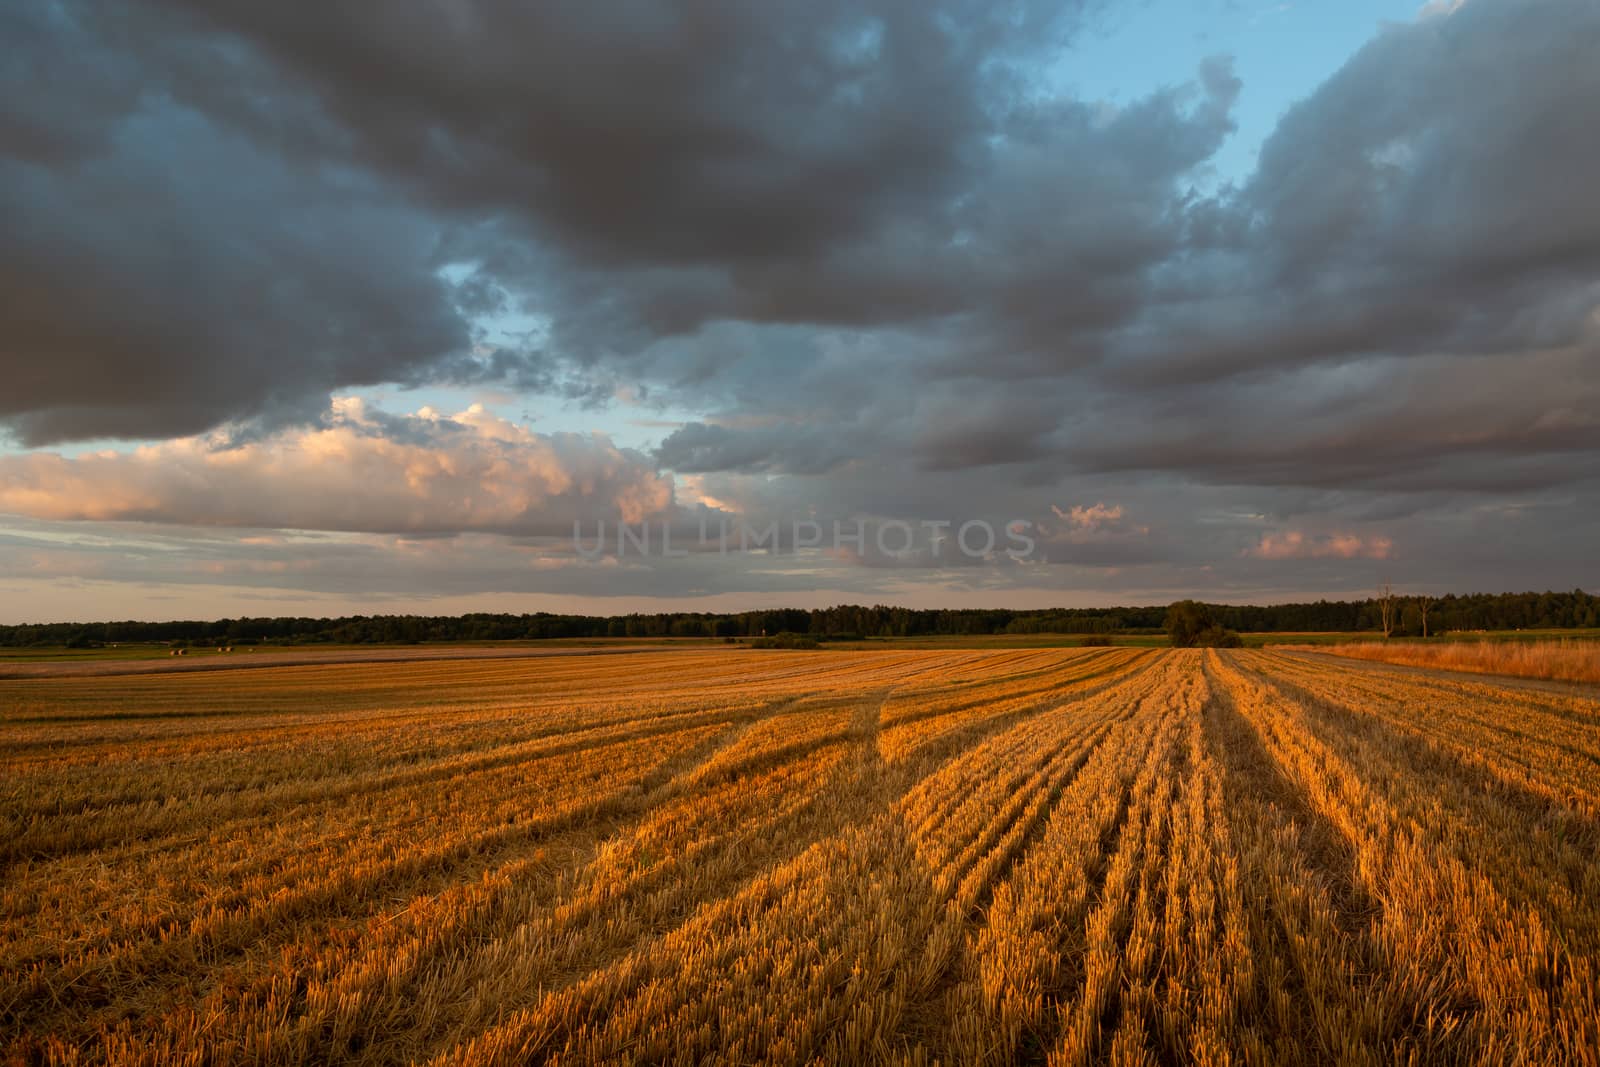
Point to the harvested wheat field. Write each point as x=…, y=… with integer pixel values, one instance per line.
x=1049, y=856
x=1562, y=661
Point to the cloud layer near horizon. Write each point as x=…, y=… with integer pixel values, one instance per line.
x=359, y=470
x=886, y=264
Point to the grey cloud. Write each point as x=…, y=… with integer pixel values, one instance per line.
x=1403, y=298
x=862, y=253
x=258, y=197
x=1487, y=422
x=180, y=278
x=54, y=111
x=664, y=132
x=269, y=209
x=382, y=567
x=792, y=449
x=1434, y=196
x=1202, y=536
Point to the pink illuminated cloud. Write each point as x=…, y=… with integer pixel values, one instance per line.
x=1296, y=544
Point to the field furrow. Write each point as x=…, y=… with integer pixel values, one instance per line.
x=1451, y=944
x=1063, y=856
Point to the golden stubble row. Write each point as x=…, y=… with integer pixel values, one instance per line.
x=1467, y=962
x=1531, y=738
x=1063, y=856
x=173, y=899
x=1558, y=659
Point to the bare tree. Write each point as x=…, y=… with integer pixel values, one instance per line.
x=1424, y=603
x=1386, y=608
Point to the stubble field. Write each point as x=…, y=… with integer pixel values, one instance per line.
x=1055, y=855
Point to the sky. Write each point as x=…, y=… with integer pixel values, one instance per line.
x=307, y=311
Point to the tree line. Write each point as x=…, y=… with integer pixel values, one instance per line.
x=1477, y=611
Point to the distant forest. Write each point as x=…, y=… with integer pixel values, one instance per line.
x=1478, y=611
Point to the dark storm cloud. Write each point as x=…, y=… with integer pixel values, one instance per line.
x=1436, y=195
x=163, y=274
x=265, y=193
x=201, y=303
x=203, y=213
x=868, y=257
x=660, y=132
x=52, y=110
x=663, y=168
x=1403, y=297
x=836, y=164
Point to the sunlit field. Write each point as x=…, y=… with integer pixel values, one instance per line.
x=1559, y=660
x=727, y=855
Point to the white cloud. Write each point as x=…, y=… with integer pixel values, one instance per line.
x=360, y=470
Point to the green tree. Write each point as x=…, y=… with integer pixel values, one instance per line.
x=1191, y=624
x=1185, y=621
